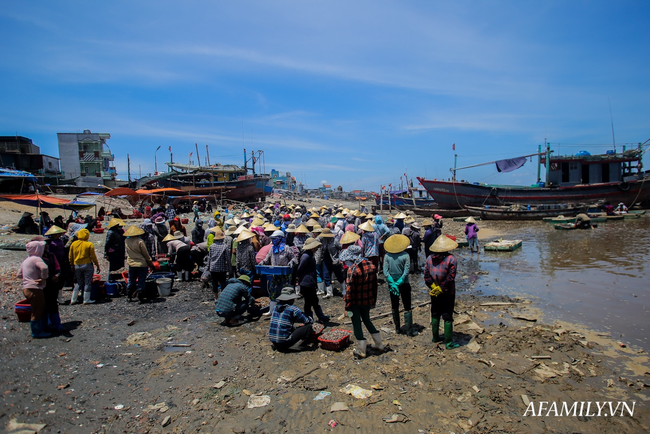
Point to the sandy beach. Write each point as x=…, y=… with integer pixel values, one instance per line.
x=170, y=366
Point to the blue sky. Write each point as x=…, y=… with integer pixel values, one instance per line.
x=351, y=93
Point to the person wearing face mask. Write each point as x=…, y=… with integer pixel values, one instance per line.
x=396, y=270
x=279, y=255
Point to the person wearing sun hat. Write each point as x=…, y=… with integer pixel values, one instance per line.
x=331, y=267
x=370, y=241
x=360, y=297
x=307, y=279
x=396, y=271
x=280, y=255
x=138, y=261
x=245, y=253
x=234, y=300
x=471, y=232
x=56, y=240
x=440, y=277
x=282, y=332
x=160, y=231
x=219, y=260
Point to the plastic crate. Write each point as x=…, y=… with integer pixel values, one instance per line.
x=273, y=271
x=336, y=345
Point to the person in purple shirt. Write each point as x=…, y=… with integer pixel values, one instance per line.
x=471, y=231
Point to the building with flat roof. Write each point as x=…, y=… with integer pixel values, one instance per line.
x=86, y=158
x=20, y=153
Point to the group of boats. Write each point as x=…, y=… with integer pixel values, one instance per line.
x=574, y=184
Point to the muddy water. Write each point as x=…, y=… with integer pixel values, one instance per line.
x=599, y=278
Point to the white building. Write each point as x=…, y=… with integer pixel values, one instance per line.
x=84, y=158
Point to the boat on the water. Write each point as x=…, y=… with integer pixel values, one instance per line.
x=581, y=178
x=518, y=212
x=408, y=199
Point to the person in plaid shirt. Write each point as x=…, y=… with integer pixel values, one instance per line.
x=360, y=297
x=282, y=333
x=440, y=276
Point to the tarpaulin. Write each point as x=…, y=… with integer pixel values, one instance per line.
x=121, y=191
x=33, y=200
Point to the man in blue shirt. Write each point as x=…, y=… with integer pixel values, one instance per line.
x=282, y=333
x=234, y=300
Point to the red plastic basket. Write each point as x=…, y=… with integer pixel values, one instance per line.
x=23, y=310
x=336, y=345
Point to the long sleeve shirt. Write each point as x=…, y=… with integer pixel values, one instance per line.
x=441, y=269
x=33, y=271
x=396, y=265
x=282, y=319
x=137, y=253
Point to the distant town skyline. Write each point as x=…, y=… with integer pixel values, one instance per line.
x=351, y=94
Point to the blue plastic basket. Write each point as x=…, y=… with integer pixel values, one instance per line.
x=273, y=271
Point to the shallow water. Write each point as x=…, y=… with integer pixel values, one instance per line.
x=598, y=278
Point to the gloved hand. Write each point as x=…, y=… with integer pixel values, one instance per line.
x=394, y=288
x=389, y=279
x=436, y=290
x=399, y=281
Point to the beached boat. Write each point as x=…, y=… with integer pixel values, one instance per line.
x=405, y=199
x=570, y=227
x=581, y=178
x=518, y=212
x=228, y=181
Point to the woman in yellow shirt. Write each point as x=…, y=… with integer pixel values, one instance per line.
x=82, y=257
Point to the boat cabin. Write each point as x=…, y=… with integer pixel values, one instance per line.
x=584, y=168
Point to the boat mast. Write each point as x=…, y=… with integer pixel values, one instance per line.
x=548, y=163
x=539, y=163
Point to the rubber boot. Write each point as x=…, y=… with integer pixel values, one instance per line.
x=37, y=330
x=396, y=321
x=179, y=276
x=60, y=298
x=187, y=275
x=271, y=308
x=321, y=288
x=360, y=350
x=449, y=335
x=330, y=292
x=376, y=339
x=408, y=320
x=435, y=329
x=75, y=295
x=87, y=295
x=322, y=318
x=344, y=287
x=55, y=322
x=141, y=298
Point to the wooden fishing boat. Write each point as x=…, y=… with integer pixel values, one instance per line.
x=517, y=212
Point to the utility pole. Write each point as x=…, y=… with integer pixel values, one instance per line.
x=128, y=166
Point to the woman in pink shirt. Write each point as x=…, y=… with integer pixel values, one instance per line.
x=33, y=272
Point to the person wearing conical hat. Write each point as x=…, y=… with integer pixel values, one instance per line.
x=219, y=261
x=383, y=232
x=399, y=221
x=308, y=279
x=440, y=277
x=114, y=245
x=245, y=254
x=396, y=271
x=328, y=256
x=56, y=242
x=471, y=232
x=138, y=261
x=370, y=241
x=301, y=235
x=160, y=231
x=54, y=283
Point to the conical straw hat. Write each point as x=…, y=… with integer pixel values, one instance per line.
x=302, y=229
x=350, y=237
x=442, y=244
x=311, y=223
x=400, y=216
x=245, y=235
x=339, y=215
x=133, y=231
x=114, y=222
x=311, y=243
x=470, y=220
x=396, y=243
x=169, y=237
x=240, y=229
x=257, y=222
x=367, y=227
x=54, y=230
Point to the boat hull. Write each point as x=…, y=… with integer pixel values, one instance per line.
x=241, y=190
x=522, y=214
x=405, y=203
x=449, y=194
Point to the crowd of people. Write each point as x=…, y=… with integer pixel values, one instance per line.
x=322, y=251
